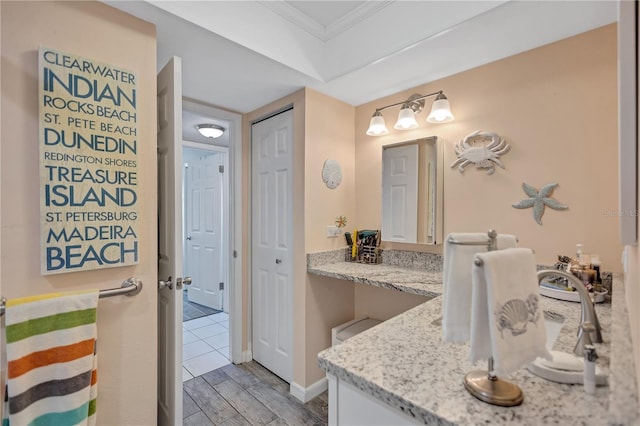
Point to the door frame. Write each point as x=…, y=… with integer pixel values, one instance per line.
x=236, y=317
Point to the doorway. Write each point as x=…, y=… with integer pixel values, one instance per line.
x=172, y=128
x=220, y=159
x=206, y=337
x=211, y=170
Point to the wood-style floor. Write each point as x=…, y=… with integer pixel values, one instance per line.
x=247, y=394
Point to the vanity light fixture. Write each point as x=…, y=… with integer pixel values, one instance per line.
x=440, y=113
x=210, y=130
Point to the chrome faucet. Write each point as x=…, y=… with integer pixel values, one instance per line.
x=589, y=322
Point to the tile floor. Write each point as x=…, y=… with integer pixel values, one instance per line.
x=247, y=394
x=205, y=345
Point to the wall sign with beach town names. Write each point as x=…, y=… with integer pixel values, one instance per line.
x=88, y=164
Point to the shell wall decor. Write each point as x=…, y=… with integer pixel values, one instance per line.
x=331, y=174
x=485, y=156
x=538, y=200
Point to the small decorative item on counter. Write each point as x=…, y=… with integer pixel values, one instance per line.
x=341, y=221
x=354, y=245
x=363, y=246
x=559, y=287
x=595, y=264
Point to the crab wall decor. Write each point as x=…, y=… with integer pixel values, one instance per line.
x=485, y=156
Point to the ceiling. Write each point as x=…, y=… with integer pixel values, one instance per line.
x=241, y=55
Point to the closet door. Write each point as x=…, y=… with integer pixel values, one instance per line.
x=271, y=230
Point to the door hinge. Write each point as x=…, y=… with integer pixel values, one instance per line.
x=221, y=286
x=221, y=169
x=235, y=253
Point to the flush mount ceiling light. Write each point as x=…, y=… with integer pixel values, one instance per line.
x=210, y=130
x=440, y=113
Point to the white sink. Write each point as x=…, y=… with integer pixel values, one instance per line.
x=565, y=367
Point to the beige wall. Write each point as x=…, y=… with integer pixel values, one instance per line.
x=126, y=327
x=328, y=302
x=382, y=303
x=557, y=107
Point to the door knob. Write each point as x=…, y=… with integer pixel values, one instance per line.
x=182, y=281
x=165, y=284
x=188, y=237
x=278, y=261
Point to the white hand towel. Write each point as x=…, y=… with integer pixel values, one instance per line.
x=507, y=320
x=456, y=298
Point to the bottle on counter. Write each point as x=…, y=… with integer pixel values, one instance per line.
x=590, y=357
x=595, y=264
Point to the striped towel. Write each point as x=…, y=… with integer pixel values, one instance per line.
x=51, y=357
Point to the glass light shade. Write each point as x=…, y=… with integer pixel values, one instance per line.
x=210, y=130
x=406, y=119
x=377, y=127
x=440, y=111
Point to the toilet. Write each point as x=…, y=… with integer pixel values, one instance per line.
x=349, y=329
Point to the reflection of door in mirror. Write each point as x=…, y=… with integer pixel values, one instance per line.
x=412, y=191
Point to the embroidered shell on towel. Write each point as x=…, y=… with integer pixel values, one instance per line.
x=515, y=314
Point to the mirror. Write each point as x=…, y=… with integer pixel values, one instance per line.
x=412, y=191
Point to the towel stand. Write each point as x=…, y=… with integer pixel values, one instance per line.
x=484, y=385
x=130, y=287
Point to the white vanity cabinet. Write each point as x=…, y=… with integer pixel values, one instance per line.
x=348, y=405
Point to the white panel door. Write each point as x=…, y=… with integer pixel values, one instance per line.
x=400, y=193
x=170, y=243
x=272, y=269
x=204, y=261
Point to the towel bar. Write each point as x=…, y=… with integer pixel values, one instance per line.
x=491, y=243
x=130, y=287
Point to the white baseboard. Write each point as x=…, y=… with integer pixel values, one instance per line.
x=307, y=394
x=245, y=356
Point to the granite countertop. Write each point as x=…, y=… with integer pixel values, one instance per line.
x=409, y=280
x=404, y=363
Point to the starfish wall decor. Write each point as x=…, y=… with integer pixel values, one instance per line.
x=538, y=200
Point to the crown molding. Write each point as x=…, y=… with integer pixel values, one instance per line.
x=296, y=17
x=316, y=29
x=359, y=14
